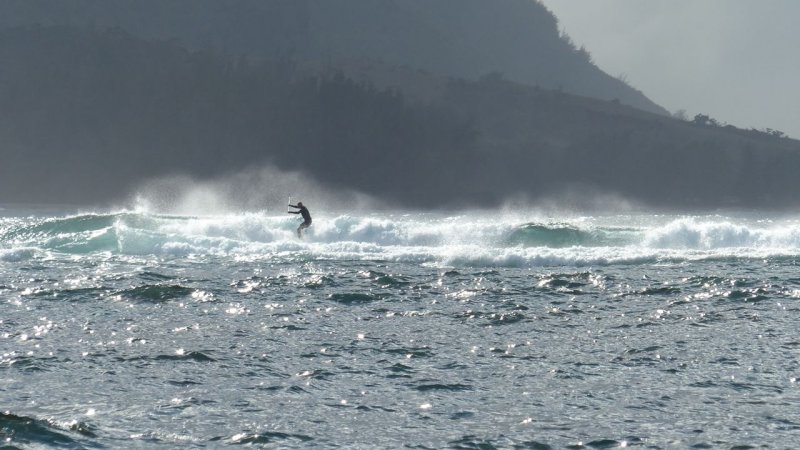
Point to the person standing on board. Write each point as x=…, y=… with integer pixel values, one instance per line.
x=306, y=218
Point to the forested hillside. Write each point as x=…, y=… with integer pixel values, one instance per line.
x=93, y=113
x=87, y=114
x=450, y=38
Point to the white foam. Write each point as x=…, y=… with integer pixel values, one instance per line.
x=692, y=233
x=17, y=254
x=472, y=240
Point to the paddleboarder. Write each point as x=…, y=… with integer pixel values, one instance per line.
x=306, y=217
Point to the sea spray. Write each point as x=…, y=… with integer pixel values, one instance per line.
x=466, y=239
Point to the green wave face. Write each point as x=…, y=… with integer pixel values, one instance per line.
x=564, y=235
x=457, y=241
x=78, y=234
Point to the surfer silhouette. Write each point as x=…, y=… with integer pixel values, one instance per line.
x=306, y=217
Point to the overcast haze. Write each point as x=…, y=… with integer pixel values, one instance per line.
x=735, y=60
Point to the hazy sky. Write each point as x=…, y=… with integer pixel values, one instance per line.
x=735, y=60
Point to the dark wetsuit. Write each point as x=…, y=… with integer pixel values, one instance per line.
x=306, y=218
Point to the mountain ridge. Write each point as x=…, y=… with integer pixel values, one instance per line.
x=90, y=115
x=450, y=38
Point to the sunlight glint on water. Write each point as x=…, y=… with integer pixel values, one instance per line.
x=132, y=329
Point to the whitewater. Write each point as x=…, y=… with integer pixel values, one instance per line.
x=137, y=329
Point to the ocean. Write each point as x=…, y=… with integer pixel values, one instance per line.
x=470, y=330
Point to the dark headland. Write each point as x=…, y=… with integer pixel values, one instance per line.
x=418, y=103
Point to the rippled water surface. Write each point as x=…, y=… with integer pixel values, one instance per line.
x=136, y=331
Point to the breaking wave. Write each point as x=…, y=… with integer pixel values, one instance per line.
x=464, y=240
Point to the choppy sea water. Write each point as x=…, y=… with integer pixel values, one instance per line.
x=470, y=331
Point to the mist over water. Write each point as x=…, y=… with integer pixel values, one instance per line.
x=263, y=189
x=504, y=238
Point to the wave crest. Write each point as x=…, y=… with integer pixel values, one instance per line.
x=696, y=234
x=465, y=240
